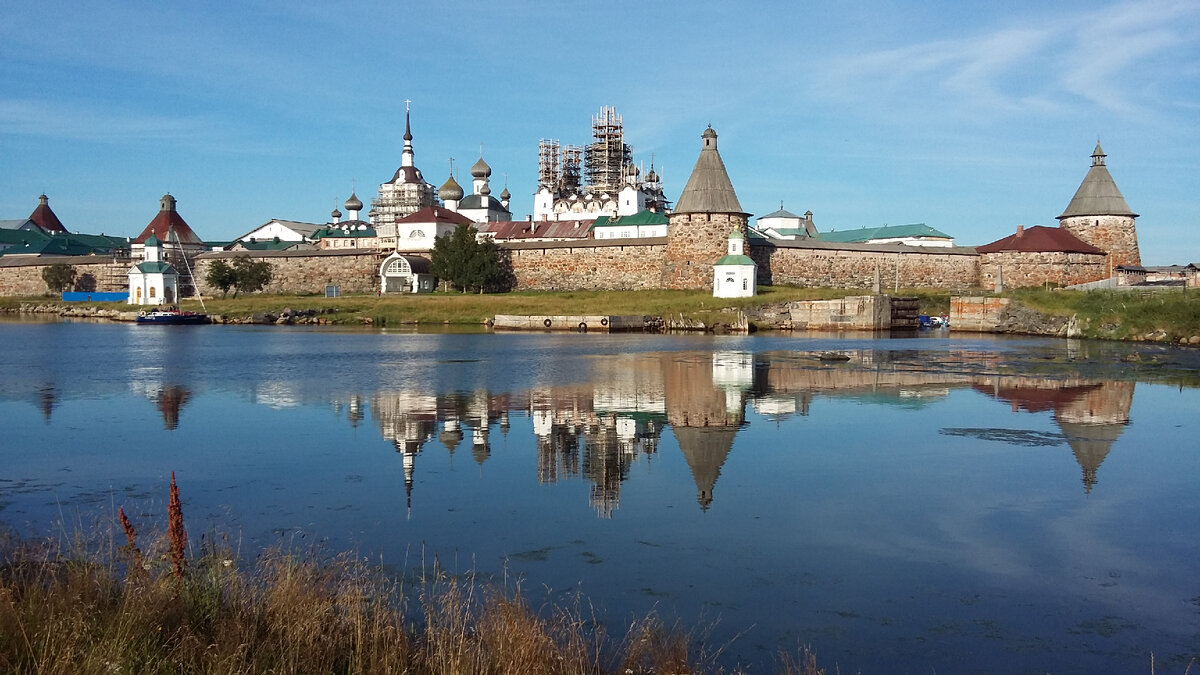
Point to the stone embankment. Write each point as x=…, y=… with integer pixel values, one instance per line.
x=81, y=312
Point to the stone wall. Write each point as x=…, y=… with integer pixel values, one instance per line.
x=802, y=263
x=1021, y=269
x=305, y=271
x=568, y=266
x=22, y=276
x=694, y=242
x=1115, y=234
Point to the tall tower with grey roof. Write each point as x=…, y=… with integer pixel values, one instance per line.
x=699, y=228
x=1099, y=215
x=407, y=192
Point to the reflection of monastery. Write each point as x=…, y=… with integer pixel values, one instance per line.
x=599, y=431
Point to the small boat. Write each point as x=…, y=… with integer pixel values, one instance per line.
x=171, y=317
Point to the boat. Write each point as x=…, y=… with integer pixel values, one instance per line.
x=170, y=317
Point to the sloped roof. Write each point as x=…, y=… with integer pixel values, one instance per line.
x=435, y=214
x=735, y=260
x=643, y=217
x=1098, y=194
x=34, y=242
x=480, y=202
x=1040, y=239
x=708, y=189
x=516, y=230
x=169, y=226
x=705, y=449
x=155, y=267
x=886, y=232
x=44, y=217
x=781, y=214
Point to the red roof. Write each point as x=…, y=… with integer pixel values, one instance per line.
x=435, y=214
x=510, y=230
x=1040, y=238
x=168, y=226
x=44, y=218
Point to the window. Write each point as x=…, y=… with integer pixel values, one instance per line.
x=745, y=284
x=152, y=290
x=416, y=234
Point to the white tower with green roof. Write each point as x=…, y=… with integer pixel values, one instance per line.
x=735, y=274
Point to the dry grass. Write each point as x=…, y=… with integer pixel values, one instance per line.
x=99, y=608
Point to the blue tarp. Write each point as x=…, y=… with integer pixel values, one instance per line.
x=95, y=297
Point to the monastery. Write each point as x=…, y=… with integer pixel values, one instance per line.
x=599, y=223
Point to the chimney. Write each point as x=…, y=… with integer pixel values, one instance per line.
x=1020, y=231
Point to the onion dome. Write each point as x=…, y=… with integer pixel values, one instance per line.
x=335, y=213
x=354, y=203
x=450, y=190
x=652, y=177
x=481, y=169
x=485, y=191
x=504, y=195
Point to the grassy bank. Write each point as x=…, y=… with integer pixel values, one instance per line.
x=1167, y=315
x=109, y=609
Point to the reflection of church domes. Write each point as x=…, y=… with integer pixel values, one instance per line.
x=451, y=438
x=705, y=449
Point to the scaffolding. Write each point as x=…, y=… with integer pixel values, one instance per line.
x=570, y=180
x=549, y=172
x=607, y=156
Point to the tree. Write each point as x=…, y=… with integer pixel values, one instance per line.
x=221, y=275
x=251, y=275
x=464, y=261
x=58, y=277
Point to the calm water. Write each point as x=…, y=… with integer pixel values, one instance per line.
x=930, y=504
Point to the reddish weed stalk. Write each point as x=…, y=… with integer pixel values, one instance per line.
x=175, y=531
x=131, y=537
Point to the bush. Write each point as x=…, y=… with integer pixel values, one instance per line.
x=243, y=275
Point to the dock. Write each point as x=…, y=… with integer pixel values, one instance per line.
x=581, y=323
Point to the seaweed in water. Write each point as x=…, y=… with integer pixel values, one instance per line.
x=1023, y=437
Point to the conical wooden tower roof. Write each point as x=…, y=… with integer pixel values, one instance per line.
x=1098, y=194
x=709, y=189
x=44, y=217
x=169, y=226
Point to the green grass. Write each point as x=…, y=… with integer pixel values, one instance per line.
x=1122, y=315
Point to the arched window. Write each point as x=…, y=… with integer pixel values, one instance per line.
x=152, y=290
x=397, y=267
x=416, y=234
x=745, y=284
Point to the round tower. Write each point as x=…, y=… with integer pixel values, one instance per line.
x=1099, y=215
x=699, y=228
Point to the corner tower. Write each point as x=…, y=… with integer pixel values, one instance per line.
x=698, y=230
x=1099, y=215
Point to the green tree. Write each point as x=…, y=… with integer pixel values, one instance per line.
x=58, y=277
x=221, y=275
x=464, y=261
x=251, y=275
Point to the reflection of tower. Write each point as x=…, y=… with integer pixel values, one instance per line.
x=604, y=464
x=1093, y=422
x=1091, y=415
x=701, y=414
x=46, y=400
x=170, y=400
x=451, y=434
x=355, y=412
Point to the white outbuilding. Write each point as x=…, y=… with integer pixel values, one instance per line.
x=153, y=281
x=405, y=274
x=735, y=274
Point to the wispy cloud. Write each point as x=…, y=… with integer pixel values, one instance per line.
x=1103, y=57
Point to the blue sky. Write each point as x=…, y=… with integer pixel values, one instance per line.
x=970, y=117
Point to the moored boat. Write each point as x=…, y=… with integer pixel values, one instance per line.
x=171, y=317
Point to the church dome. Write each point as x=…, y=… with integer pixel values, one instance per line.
x=504, y=194
x=450, y=190
x=354, y=203
x=481, y=169
x=485, y=190
x=335, y=213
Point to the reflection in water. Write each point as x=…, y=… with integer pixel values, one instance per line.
x=597, y=430
x=46, y=401
x=1092, y=415
x=169, y=401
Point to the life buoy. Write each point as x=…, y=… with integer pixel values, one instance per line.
x=582, y=327
x=604, y=321
x=546, y=323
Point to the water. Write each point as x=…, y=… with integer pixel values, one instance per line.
x=930, y=504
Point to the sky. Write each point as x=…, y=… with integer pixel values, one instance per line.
x=973, y=118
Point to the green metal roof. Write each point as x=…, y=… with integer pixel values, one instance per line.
x=644, y=217
x=332, y=232
x=886, y=232
x=735, y=260
x=155, y=267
